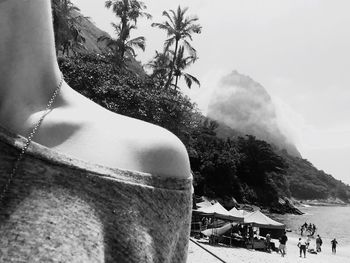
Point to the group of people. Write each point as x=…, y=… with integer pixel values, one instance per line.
x=310, y=228
x=303, y=245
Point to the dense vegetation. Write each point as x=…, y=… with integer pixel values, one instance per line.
x=307, y=182
x=242, y=167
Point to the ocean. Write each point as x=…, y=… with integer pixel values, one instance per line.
x=331, y=222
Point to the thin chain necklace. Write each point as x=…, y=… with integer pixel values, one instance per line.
x=29, y=140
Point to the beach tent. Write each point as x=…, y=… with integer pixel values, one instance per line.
x=244, y=212
x=258, y=219
x=237, y=213
x=217, y=211
x=205, y=203
x=218, y=231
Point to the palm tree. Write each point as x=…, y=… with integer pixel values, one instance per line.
x=160, y=66
x=120, y=47
x=66, y=22
x=181, y=63
x=129, y=11
x=179, y=28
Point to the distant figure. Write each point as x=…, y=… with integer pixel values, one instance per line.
x=268, y=243
x=318, y=243
x=334, y=245
x=313, y=230
x=302, y=246
x=308, y=240
x=251, y=235
x=205, y=222
x=305, y=225
x=283, y=240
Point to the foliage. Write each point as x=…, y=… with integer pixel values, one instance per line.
x=239, y=168
x=123, y=92
x=307, y=182
x=129, y=11
x=66, y=23
x=258, y=160
x=179, y=28
x=160, y=66
x=181, y=63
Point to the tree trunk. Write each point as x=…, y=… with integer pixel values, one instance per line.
x=176, y=79
x=172, y=65
x=123, y=36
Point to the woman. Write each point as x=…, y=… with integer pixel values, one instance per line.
x=94, y=186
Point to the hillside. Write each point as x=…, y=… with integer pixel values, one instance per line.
x=307, y=182
x=91, y=33
x=301, y=180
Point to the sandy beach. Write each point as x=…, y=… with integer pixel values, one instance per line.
x=237, y=255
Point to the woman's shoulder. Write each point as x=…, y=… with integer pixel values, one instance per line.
x=117, y=141
x=156, y=150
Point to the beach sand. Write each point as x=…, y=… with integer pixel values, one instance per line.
x=237, y=255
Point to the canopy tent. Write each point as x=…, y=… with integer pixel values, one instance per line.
x=258, y=219
x=218, y=231
x=244, y=212
x=238, y=213
x=204, y=204
x=218, y=211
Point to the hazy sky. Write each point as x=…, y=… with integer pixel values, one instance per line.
x=297, y=49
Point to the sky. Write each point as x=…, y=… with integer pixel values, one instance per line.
x=297, y=49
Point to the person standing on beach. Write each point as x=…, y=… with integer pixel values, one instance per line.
x=283, y=241
x=318, y=243
x=308, y=241
x=302, y=246
x=268, y=243
x=334, y=246
x=251, y=235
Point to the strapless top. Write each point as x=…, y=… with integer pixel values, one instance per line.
x=60, y=209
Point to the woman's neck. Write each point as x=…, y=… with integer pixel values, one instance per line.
x=28, y=69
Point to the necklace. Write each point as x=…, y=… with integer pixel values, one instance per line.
x=29, y=139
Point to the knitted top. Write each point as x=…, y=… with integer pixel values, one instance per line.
x=60, y=209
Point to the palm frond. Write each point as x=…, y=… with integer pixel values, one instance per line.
x=168, y=43
x=190, y=79
x=191, y=50
x=166, y=14
x=138, y=42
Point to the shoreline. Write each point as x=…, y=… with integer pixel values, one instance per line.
x=238, y=254
x=321, y=204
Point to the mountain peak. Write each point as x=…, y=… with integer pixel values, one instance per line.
x=245, y=106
